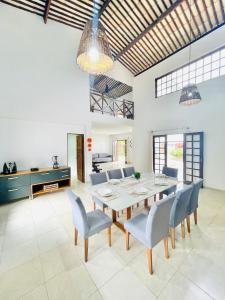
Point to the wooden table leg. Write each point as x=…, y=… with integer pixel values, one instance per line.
x=114, y=215
x=146, y=203
x=128, y=213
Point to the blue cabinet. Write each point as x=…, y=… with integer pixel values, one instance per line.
x=27, y=184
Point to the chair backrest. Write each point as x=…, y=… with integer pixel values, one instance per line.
x=79, y=214
x=194, y=195
x=115, y=174
x=129, y=171
x=171, y=172
x=180, y=206
x=157, y=226
x=97, y=178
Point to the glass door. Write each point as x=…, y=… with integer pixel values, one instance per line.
x=159, y=153
x=193, y=156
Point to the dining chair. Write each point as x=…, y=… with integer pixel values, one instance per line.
x=98, y=178
x=151, y=228
x=193, y=205
x=179, y=211
x=115, y=174
x=87, y=224
x=171, y=172
x=129, y=171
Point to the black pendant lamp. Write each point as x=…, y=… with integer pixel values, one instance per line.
x=190, y=94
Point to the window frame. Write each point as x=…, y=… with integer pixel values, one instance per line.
x=192, y=68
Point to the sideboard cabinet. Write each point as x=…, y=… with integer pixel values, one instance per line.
x=25, y=184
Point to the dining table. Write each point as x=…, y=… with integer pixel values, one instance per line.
x=125, y=193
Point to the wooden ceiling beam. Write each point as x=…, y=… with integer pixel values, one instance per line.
x=47, y=8
x=207, y=13
x=214, y=12
x=160, y=18
x=103, y=8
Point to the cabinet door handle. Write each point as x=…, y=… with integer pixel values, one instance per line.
x=13, y=190
x=11, y=178
x=44, y=173
x=65, y=176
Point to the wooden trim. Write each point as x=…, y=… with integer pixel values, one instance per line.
x=25, y=172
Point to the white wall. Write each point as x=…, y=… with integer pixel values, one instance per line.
x=102, y=143
x=43, y=93
x=166, y=113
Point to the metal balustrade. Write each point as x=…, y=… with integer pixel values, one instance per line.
x=100, y=103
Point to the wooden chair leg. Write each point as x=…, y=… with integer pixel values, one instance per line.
x=75, y=236
x=110, y=236
x=188, y=224
x=103, y=209
x=149, y=255
x=182, y=230
x=137, y=204
x=154, y=197
x=173, y=236
x=166, y=247
x=94, y=205
x=196, y=217
x=86, y=250
x=127, y=239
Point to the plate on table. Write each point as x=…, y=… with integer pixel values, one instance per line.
x=105, y=192
x=114, y=181
x=141, y=191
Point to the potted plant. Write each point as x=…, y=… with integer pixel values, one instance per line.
x=137, y=175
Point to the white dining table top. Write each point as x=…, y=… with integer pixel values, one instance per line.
x=124, y=193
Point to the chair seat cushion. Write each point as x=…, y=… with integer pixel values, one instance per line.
x=99, y=202
x=97, y=221
x=137, y=226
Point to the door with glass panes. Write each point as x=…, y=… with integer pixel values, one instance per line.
x=193, y=156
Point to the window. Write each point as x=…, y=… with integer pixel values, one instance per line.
x=207, y=67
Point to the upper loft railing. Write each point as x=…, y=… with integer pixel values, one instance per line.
x=114, y=107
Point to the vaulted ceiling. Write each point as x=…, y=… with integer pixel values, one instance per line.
x=141, y=33
x=110, y=87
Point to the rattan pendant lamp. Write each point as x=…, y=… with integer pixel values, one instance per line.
x=94, y=55
x=190, y=94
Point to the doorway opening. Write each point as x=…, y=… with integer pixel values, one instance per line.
x=181, y=151
x=175, y=153
x=120, y=151
x=75, y=156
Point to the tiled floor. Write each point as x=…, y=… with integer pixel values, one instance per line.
x=39, y=260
